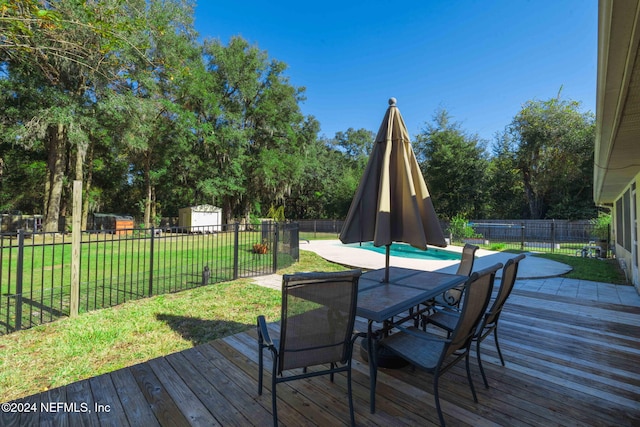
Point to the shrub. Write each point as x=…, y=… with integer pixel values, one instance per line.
x=276, y=213
x=601, y=226
x=460, y=229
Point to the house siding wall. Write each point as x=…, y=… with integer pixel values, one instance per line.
x=623, y=222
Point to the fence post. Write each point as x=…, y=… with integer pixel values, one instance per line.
x=151, y=250
x=294, y=238
x=553, y=235
x=522, y=236
x=19, y=278
x=275, y=248
x=236, y=240
x=76, y=240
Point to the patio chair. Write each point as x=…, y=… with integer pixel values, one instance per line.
x=452, y=296
x=316, y=330
x=447, y=319
x=436, y=354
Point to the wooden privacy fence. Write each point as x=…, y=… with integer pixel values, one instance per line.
x=42, y=277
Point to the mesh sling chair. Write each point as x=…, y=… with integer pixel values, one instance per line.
x=452, y=296
x=436, y=354
x=316, y=328
x=446, y=319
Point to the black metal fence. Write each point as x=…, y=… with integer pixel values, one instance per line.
x=581, y=238
x=320, y=225
x=121, y=265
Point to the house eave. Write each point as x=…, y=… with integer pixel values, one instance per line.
x=617, y=144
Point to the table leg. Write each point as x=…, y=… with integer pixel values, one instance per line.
x=373, y=368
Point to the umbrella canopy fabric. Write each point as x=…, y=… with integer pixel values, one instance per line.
x=392, y=203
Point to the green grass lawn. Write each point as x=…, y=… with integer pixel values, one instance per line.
x=100, y=341
x=310, y=235
x=598, y=270
x=106, y=257
x=114, y=270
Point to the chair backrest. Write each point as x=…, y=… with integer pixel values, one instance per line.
x=468, y=257
x=452, y=296
x=318, y=316
x=476, y=299
x=509, y=274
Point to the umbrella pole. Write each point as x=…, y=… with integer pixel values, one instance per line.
x=386, y=270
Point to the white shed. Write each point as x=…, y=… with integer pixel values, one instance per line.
x=200, y=219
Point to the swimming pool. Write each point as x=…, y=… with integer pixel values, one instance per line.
x=407, y=251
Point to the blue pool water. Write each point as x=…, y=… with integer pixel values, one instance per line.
x=408, y=251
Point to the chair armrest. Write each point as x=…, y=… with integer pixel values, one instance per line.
x=263, y=333
x=359, y=334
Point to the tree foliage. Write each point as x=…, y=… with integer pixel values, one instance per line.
x=554, y=153
x=60, y=57
x=506, y=197
x=454, y=165
x=122, y=95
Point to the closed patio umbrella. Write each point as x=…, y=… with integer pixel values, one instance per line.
x=392, y=203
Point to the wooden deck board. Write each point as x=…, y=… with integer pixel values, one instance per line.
x=188, y=403
x=81, y=392
x=215, y=401
x=131, y=397
x=160, y=402
x=568, y=362
x=103, y=392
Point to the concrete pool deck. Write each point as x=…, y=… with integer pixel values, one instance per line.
x=534, y=274
x=335, y=251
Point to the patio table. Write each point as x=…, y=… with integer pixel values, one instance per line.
x=380, y=302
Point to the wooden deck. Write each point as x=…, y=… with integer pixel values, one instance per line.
x=570, y=361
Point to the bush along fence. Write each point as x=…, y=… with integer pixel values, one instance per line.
x=581, y=238
x=43, y=277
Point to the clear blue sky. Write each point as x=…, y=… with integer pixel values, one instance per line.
x=479, y=60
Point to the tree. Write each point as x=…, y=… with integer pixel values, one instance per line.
x=160, y=129
x=85, y=78
x=454, y=166
x=356, y=145
x=330, y=177
x=506, y=198
x=44, y=34
x=258, y=130
x=554, y=154
x=59, y=56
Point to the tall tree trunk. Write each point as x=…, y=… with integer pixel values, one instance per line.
x=81, y=151
x=227, y=210
x=147, y=202
x=56, y=139
x=147, y=207
x=154, y=206
x=247, y=216
x=87, y=186
x=535, y=204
